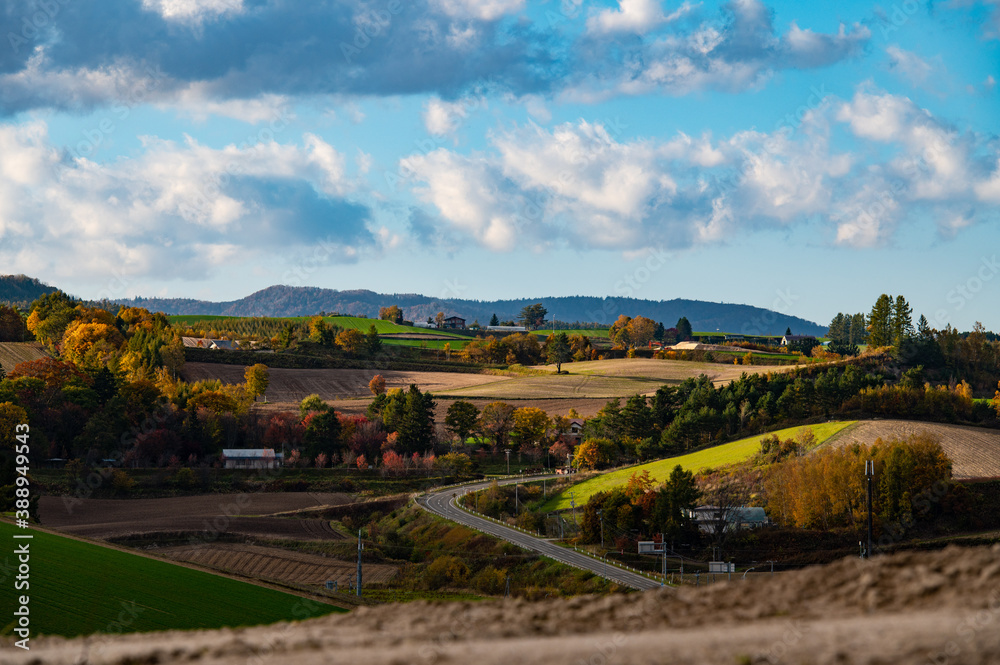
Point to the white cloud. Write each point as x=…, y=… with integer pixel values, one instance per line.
x=174, y=209
x=637, y=16
x=193, y=11
x=443, y=118
x=587, y=187
x=484, y=10
x=914, y=69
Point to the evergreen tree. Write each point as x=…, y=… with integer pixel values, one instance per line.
x=494, y=321
x=858, y=329
x=372, y=341
x=684, y=331
x=880, y=322
x=902, y=321
x=416, y=427
x=559, y=351
x=840, y=328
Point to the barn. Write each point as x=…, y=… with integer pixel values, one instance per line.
x=251, y=458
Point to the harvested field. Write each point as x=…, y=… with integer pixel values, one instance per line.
x=234, y=514
x=974, y=451
x=13, y=353
x=912, y=607
x=292, y=385
x=609, y=378
x=272, y=564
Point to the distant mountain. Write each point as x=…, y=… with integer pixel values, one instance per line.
x=306, y=301
x=21, y=289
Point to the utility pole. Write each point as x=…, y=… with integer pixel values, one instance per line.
x=600, y=513
x=515, y=499
x=508, y=461
x=870, y=475
x=572, y=505
x=360, y=548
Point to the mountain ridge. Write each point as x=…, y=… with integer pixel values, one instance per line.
x=281, y=300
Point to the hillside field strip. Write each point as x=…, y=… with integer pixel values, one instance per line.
x=79, y=588
x=278, y=565
x=292, y=385
x=974, y=451
x=709, y=458
x=250, y=515
x=608, y=379
x=13, y=353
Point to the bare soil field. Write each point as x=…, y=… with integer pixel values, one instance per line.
x=237, y=514
x=609, y=378
x=974, y=451
x=272, y=564
x=13, y=353
x=927, y=607
x=292, y=385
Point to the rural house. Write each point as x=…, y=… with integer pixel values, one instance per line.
x=709, y=518
x=454, y=322
x=792, y=339
x=251, y=458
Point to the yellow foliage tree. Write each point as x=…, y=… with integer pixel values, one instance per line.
x=91, y=344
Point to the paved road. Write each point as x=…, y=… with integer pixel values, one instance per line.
x=442, y=502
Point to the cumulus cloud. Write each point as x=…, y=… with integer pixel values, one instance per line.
x=736, y=53
x=586, y=186
x=175, y=209
x=638, y=16
x=485, y=10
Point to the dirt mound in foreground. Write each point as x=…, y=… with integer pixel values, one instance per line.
x=934, y=607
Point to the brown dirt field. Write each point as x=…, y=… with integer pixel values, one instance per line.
x=242, y=514
x=268, y=563
x=974, y=451
x=292, y=385
x=928, y=607
x=13, y=353
x=586, y=407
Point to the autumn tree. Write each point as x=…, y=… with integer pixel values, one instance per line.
x=257, y=379
x=619, y=332
x=497, y=421
x=641, y=331
x=351, y=340
x=320, y=331
x=91, y=344
x=439, y=319
x=377, y=385
x=559, y=351
x=310, y=404
x=530, y=425
x=595, y=453
x=50, y=316
x=391, y=313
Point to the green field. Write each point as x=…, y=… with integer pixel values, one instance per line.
x=456, y=345
x=78, y=588
x=710, y=458
x=345, y=322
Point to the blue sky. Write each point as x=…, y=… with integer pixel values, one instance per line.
x=804, y=157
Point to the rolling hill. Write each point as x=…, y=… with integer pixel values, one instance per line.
x=21, y=289
x=305, y=301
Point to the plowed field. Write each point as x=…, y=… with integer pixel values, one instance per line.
x=13, y=353
x=292, y=385
x=974, y=451
x=234, y=514
x=268, y=563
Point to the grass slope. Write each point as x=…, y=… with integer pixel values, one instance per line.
x=78, y=588
x=728, y=453
x=345, y=322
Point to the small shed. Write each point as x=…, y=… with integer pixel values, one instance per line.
x=251, y=458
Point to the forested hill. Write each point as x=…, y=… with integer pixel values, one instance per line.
x=306, y=301
x=21, y=290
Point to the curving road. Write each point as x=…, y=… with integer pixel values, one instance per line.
x=443, y=502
